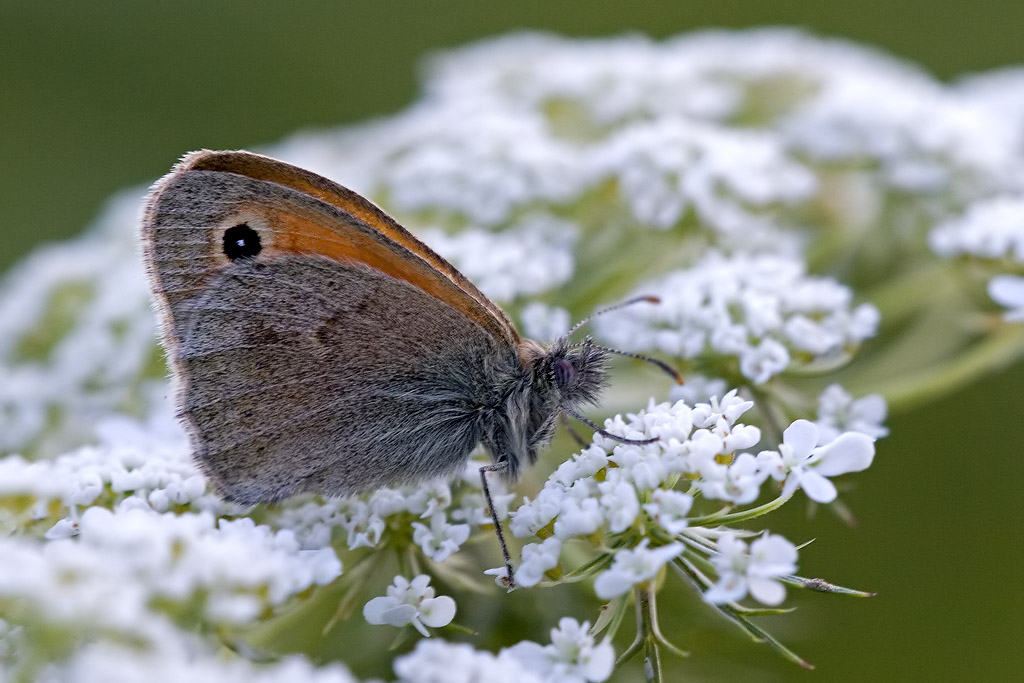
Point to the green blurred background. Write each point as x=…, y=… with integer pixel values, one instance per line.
x=100, y=95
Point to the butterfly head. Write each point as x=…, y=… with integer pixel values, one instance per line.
x=577, y=371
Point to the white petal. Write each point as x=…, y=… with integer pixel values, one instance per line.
x=438, y=611
x=802, y=437
x=1007, y=290
x=872, y=408
x=851, y=452
x=387, y=610
x=792, y=484
x=612, y=583
x=598, y=665
x=532, y=655
x=772, y=556
x=730, y=588
x=767, y=591
x=817, y=487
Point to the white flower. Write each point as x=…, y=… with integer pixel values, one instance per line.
x=762, y=362
x=529, y=258
x=534, y=515
x=410, y=602
x=838, y=412
x=1008, y=291
x=385, y=502
x=572, y=656
x=739, y=482
x=620, y=504
x=537, y=559
x=991, y=228
x=500, y=575
x=435, y=661
x=803, y=464
x=669, y=509
x=730, y=408
x=578, y=516
x=762, y=309
x=441, y=539
x=64, y=528
x=364, y=529
x=739, y=571
x=633, y=566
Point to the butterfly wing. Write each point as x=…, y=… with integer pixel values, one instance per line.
x=308, y=374
x=210, y=192
x=316, y=353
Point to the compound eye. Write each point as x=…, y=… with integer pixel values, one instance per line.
x=564, y=372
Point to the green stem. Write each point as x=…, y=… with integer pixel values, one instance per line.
x=998, y=350
x=638, y=642
x=652, y=655
x=902, y=295
x=718, y=518
x=620, y=614
x=658, y=637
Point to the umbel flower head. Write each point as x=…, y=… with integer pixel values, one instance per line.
x=762, y=184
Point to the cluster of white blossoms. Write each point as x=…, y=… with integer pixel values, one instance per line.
x=764, y=311
x=76, y=337
x=142, y=521
x=440, y=516
x=531, y=257
x=750, y=180
x=572, y=657
x=991, y=230
x=173, y=657
x=234, y=568
x=630, y=492
x=756, y=141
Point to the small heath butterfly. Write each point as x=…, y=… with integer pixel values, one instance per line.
x=320, y=347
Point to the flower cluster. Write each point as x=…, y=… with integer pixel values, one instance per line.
x=628, y=492
x=77, y=337
x=440, y=521
x=531, y=257
x=572, y=657
x=990, y=231
x=764, y=311
x=760, y=183
x=236, y=567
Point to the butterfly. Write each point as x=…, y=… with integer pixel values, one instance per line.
x=318, y=346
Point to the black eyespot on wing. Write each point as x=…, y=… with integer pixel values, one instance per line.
x=564, y=372
x=241, y=241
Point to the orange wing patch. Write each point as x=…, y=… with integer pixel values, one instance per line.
x=413, y=261
x=291, y=232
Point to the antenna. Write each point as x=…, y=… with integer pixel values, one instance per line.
x=668, y=369
x=628, y=302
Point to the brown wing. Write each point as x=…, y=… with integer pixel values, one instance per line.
x=294, y=212
x=295, y=378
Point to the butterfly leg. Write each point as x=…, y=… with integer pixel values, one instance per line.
x=510, y=574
